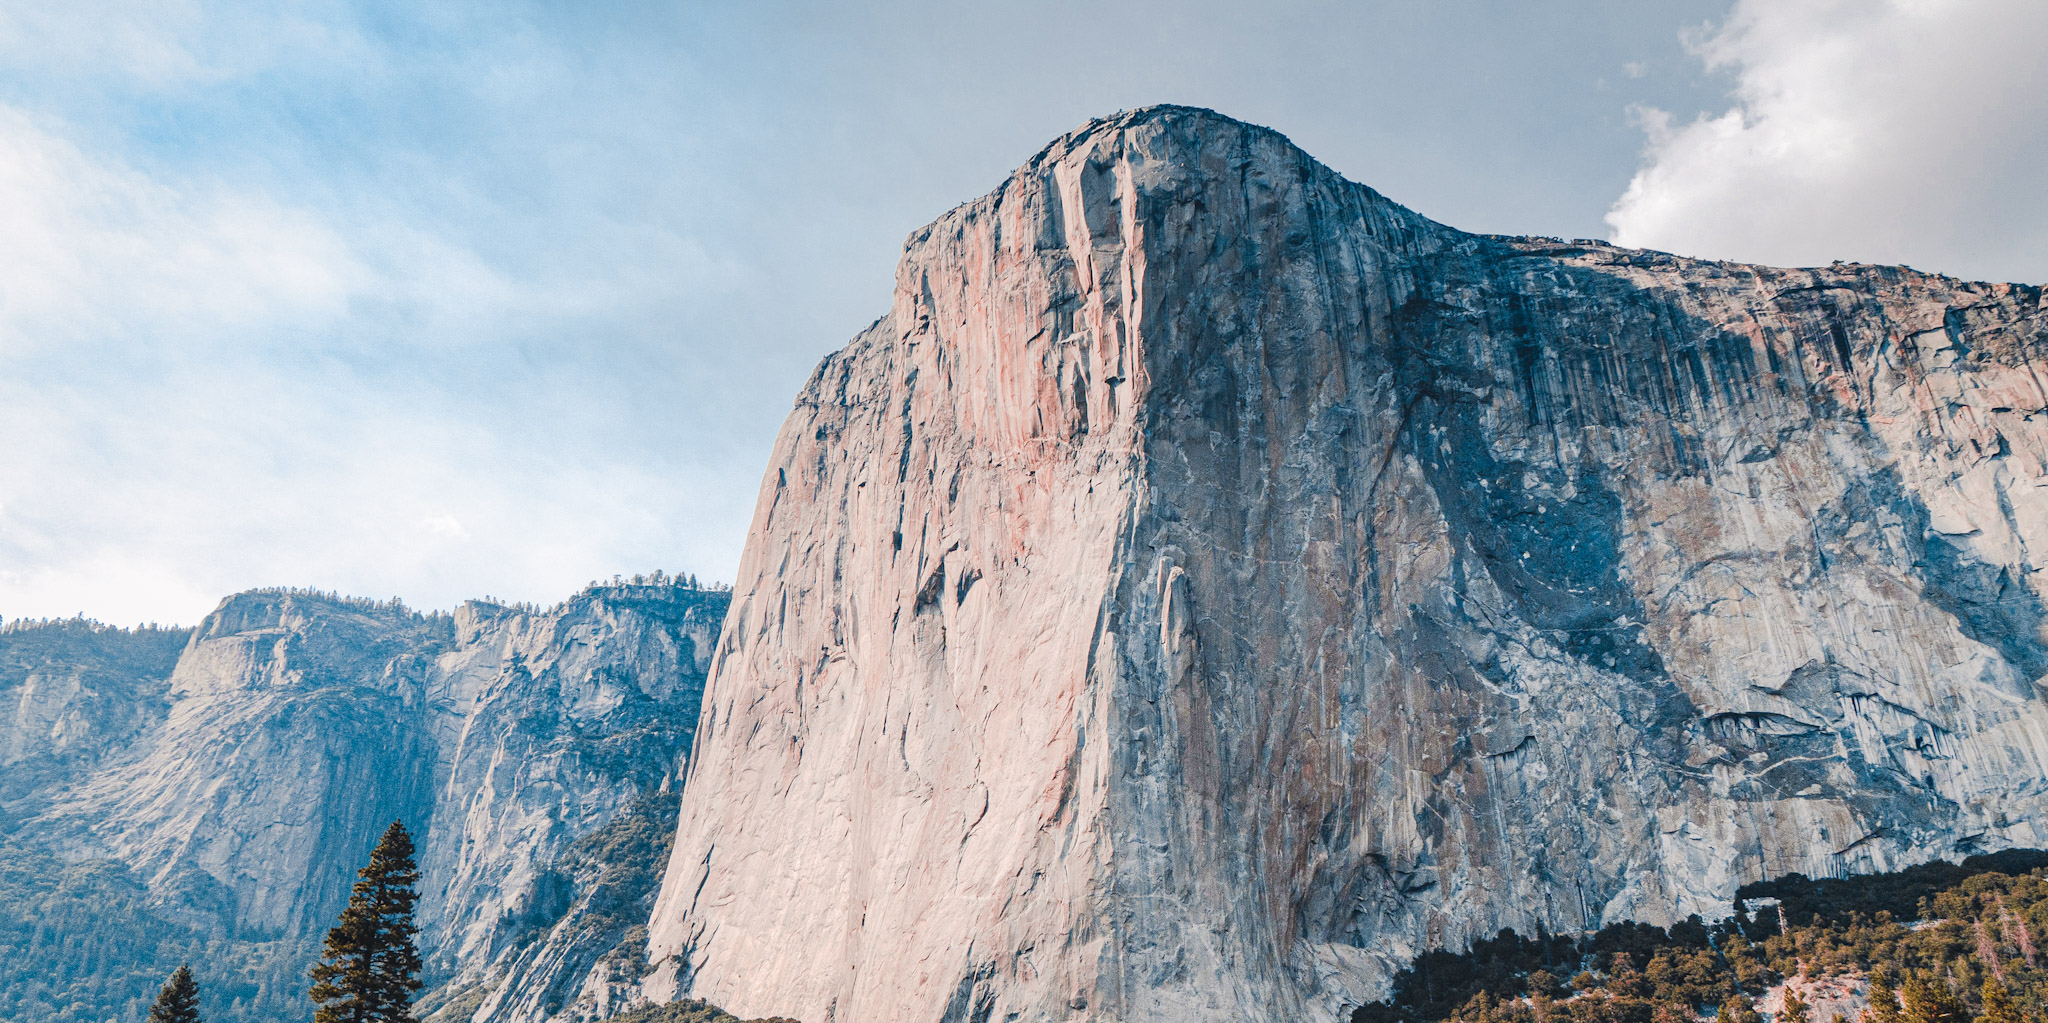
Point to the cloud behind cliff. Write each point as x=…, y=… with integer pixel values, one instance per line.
x=1906, y=131
x=474, y=298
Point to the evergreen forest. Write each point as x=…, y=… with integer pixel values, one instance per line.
x=1936, y=943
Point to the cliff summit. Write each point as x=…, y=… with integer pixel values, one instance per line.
x=1212, y=583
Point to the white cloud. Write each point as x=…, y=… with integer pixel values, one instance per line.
x=139, y=499
x=146, y=42
x=1910, y=131
x=445, y=526
x=205, y=387
x=96, y=250
x=167, y=43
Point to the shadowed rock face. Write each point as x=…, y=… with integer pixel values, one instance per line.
x=578, y=720
x=1212, y=583
x=243, y=775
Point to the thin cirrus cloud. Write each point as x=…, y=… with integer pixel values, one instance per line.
x=263, y=320
x=1905, y=131
x=493, y=298
x=98, y=252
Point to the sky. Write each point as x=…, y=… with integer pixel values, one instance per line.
x=496, y=298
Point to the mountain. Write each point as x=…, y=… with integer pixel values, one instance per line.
x=1212, y=584
x=207, y=794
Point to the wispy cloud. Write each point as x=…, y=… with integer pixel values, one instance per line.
x=286, y=298
x=495, y=297
x=98, y=253
x=1897, y=131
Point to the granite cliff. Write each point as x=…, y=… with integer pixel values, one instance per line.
x=208, y=794
x=1212, y=583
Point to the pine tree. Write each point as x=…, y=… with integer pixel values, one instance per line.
x=1998, y=1005
x=1884, y=1004
x=1796, y=1010
x=1932, y=1003
x=1737, y=1009
x=179, y=1000
x=371, y=965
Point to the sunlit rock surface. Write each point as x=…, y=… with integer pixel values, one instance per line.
x=242, y=777
x=1212, y=583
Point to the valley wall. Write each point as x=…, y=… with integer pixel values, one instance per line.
x=241, y=771
x=1212, y=583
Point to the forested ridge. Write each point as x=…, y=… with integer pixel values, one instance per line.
x=687, y=1010
x=79, y=942
x=1934, y=935
x=130, y=846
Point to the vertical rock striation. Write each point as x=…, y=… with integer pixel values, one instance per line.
x=73, y=693
x=1212, y=583
x=557, y=790
x=237, y=778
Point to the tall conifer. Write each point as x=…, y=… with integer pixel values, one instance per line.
x=1884, y=1002
x=1932, y=1003
x=178, y=1002
x=1998, y=1005
x=371, y=964
x=1737, y=1009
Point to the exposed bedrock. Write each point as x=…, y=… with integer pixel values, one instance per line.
x=243, y=770
x=1213, y=583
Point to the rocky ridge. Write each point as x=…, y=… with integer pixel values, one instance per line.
x=236, y=775
x=1212, y=583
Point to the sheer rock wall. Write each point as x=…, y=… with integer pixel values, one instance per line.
x=244, y=775
x=1212, y=583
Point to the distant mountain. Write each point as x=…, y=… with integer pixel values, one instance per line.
x=207, y=794
x=1212, y=584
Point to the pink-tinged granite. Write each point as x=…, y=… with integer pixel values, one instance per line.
x=1212, y=583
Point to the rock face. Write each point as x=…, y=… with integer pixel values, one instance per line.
x=1212, y=583
x=242, y=775
x=552, y=815
x=71, y=694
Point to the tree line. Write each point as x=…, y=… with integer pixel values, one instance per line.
x=1973, y=952
x=1937, y=943
x=370, y=964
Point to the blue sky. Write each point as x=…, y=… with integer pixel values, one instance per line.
x=448, y=300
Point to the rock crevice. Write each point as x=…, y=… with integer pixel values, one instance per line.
x=1213, y=583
